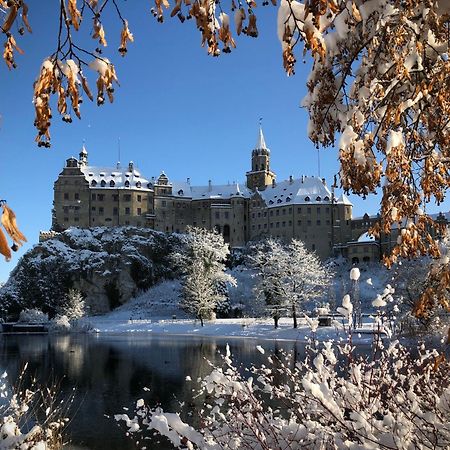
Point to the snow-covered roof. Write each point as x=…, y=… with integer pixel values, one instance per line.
x=224, y=191
x=305, y=190
x=344, y=200
x=115, y=178
x=366, y=237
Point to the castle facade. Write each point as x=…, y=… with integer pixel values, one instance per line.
x=303, y=208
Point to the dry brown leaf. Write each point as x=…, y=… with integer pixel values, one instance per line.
x=25, y=17
x=4, y=247
x=75, y=15
x=125, y=37
x=10, y=18
x=8, y=220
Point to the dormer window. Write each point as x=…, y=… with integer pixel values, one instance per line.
x=127, y=183
x=270, y=202
x=307, y=199
x=111, y=183
x=149, y=185
x=103, y=183
x=93, y=183
x=288, y=199
x=181, y=192
x=327, y=199
x=318, y=198
x=279, y=200
x=138, y=184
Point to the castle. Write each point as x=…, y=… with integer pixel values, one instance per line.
x=303, y=208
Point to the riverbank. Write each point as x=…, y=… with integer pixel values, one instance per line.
x=236, y=328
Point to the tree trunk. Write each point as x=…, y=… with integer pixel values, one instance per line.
x=294, y=316
x=275, y=320
x=201, y=319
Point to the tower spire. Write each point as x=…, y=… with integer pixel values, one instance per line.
x=261, y=142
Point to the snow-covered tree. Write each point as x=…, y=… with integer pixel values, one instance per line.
x=289, y=275
x=73, y=307
x=202, y=263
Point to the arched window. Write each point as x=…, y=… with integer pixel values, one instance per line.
x=127, y=183
x=327, y=199
x=307, y=199
x=103, y=183
x=111, y=183
x=318, y=198
x=288, y=199
x=270, y=202
x=180, y=192
x=93, y=183
x=279, y=200
x=138, y=184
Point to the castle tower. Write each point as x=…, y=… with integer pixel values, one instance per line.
x=260, y=176
x=83, y=157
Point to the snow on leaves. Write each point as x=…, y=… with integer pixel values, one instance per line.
x=334, y=398
x=8, y=220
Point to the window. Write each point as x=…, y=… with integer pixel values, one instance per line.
x=307, y=199
x=139, y=198
x=139, y=211
x=277, y=212
x=226, y=214
x=309, y=210
x=278, y=225
x=265, y=214
x=181, y=192
x=112, y=183
x=299, y=210
x=94, y=197
x=318, y=210
x=271, y=213
x=327, y=210
x=284, y=212
x=299, y=222
x=271, y=224
x=101, y=210
x=290, y=223
x=318, y=222
x=290, y=210
x=163, y=203
x=327, y=199
x=217, y=215
x=93, y=208
x=313, y=248
x=127, y=197
x=66, y=209
x=77, y=219
x=283, y=224
x=93, y=183
x=116, y=197
x=265, y=225
x=138, y=184
x=309, y=223
x=76, y=196
x=66, y=196
x=66, y=219
x=100, y=197
x=115, y=211
x=253, y=215
x=318, y=198
x=127, y=211
x=103, y=183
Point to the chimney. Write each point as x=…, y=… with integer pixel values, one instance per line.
x=130, y=166
x=209, y=185
x=303, y=178
x=291, y=180
x=118, y=165
x=273, y=183
x=324, y=181
x=188, y=180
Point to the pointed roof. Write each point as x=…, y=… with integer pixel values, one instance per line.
x=83, y=150
x=261, y=143
x=344, y=200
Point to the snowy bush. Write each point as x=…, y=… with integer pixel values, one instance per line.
x=60, y=323
x=31, y=419
x=33, y=316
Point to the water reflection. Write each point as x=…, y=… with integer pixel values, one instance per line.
x=110, y=372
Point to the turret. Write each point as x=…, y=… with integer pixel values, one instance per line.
x=260, y=176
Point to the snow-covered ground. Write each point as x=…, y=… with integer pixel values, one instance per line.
x=238, y=328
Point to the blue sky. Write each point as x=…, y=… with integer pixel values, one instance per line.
x=177, y=110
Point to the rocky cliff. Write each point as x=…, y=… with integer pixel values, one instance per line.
x=108, y=265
